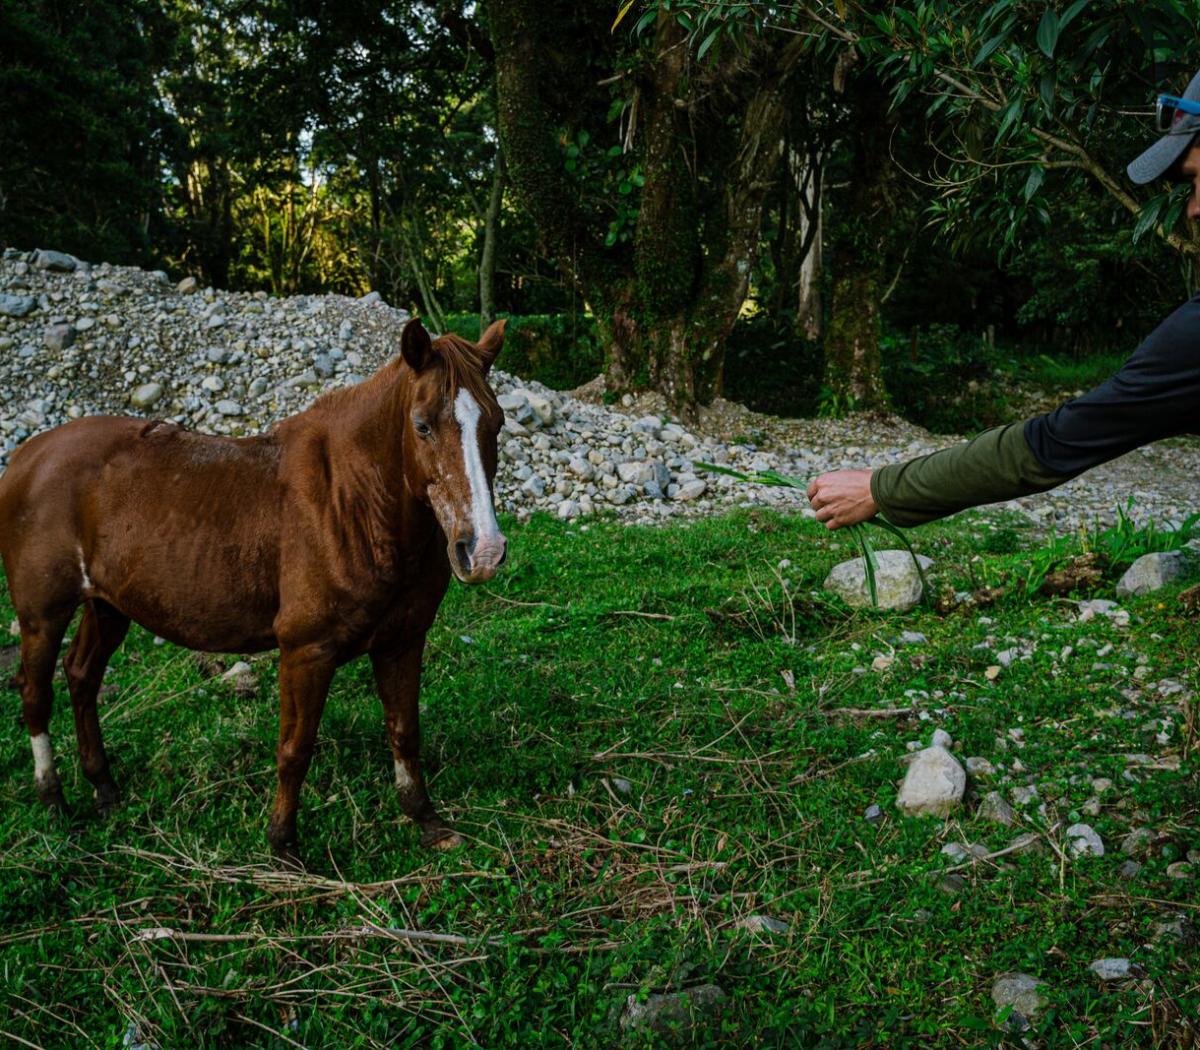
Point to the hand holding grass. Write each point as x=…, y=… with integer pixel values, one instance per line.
x=842, y=498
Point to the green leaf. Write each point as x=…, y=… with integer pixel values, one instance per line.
x=707, y=43
x=584, y=138
x=987, y=49
x=1148, y=218
x=1046, y=89
x=1070, y=13
x=1047, y=34
x=1034, y=183
x=1007, y=116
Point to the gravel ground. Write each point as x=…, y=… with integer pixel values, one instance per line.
x=79, y=339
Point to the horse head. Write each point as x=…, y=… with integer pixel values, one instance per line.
x=452, y=425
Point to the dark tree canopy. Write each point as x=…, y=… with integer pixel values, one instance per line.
x=844, y=174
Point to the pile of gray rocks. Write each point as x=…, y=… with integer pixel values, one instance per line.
x=79, y=339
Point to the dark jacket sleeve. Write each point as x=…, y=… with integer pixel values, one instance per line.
x=997, y=465
x=1155, y=394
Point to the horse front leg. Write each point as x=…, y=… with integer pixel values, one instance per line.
x=398, y=679
x=304, y=677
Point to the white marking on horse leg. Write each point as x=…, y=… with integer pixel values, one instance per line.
x=85, y=580
x=404, y=779
x=483, y=514
x=43, y=758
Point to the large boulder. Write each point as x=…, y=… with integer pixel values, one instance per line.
x=897, y=581
x=933, y=786
x=17, y=305
x=55, y=262
x=1152, y=572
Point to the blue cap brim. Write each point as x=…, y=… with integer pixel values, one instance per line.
x=1155, y=161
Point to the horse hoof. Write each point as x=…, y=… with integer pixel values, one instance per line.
x=441, y=838
x=51, y=796
x=285, y=849
x=107, y=798
x=287, y=856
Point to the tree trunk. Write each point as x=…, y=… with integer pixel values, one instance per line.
x=853, y=365
x=665, y=304
x=376, y=240
x=811, y=231
x=487, y=258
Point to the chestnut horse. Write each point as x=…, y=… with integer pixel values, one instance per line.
x=333, y=534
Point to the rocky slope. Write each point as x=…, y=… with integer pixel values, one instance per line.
x=78, y=339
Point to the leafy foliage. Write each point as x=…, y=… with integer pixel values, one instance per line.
x=560, y=350
x=81, y=124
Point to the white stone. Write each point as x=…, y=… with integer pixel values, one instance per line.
x=147, y=395
x=1113, y=969
x=897, y=582
x=934, y=784
x=1083, y=841
x=1151, y=572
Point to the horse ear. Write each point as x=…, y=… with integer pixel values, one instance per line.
x=490, y=343
x=415, y=346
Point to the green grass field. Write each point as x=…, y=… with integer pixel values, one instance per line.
x=648, y=735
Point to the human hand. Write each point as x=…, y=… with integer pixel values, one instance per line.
x=842, y=498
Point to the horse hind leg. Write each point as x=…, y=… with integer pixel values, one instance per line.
x=41, y=637
x=101, y=631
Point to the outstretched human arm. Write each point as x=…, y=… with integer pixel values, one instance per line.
x=997, y=465
x=1156, y=394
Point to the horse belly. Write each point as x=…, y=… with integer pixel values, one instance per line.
x=215, y=597
x=198, y=564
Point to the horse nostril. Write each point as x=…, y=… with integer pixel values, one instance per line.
x=503, y=556
x=462, y=551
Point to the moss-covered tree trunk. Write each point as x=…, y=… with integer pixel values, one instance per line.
x=487, y=257
x=665, y=301
x=853, y=363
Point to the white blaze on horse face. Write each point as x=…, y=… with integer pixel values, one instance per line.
x=43, y=758
x=483, y=514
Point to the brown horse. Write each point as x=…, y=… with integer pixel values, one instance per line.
x=334, y=534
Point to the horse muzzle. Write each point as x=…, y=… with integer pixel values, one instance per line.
x=477, y=560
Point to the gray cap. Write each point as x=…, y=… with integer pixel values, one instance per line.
x=1167, y=150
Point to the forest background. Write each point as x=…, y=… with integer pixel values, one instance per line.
x=814, y=208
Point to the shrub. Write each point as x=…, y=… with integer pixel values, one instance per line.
x=768, y=368
x=560, y=350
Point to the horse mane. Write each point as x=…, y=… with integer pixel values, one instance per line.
x=463, y=367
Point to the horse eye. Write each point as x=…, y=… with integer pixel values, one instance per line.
x=422, y=427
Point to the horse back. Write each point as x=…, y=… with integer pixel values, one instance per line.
x=177, y=530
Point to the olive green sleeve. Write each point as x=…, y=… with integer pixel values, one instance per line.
x=997, y=465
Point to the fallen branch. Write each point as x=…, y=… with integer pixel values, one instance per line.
x=868, y=712
x=396, y=933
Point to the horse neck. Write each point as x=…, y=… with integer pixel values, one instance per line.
x=372, y=429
